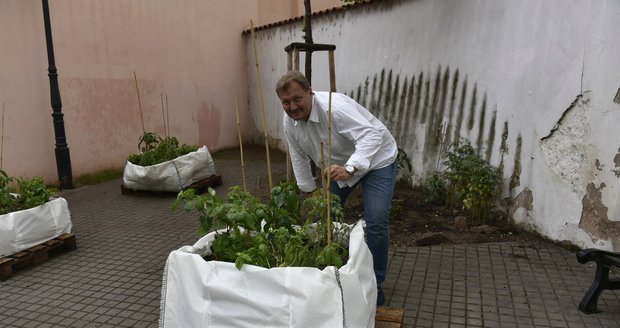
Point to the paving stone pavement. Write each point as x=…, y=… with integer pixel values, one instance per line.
x=113, y=278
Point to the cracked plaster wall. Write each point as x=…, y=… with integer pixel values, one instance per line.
x=567, y=147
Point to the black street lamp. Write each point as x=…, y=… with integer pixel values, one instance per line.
x=63, y=158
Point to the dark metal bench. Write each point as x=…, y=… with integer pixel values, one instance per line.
x=604, y=261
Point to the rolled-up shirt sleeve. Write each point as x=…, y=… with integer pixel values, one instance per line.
x=368, y=140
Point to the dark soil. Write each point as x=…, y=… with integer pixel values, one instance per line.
x=414, y=222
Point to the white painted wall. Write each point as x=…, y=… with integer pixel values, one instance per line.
x=532, y=59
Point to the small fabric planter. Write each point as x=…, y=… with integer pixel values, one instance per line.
x=174, y=175
x=23, y=229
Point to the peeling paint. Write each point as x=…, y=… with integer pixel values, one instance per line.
x=616, y=170
x=617, y=98
x=598, y=165
x=524, y=199
x=565, y=148
x=594, y=217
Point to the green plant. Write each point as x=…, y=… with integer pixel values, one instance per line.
x=284, y=232
x=473, y=183
x=435, y=188
x=155, y=150
x=20, y=194
x=396, y=209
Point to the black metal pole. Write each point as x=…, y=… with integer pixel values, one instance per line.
x=63, y=158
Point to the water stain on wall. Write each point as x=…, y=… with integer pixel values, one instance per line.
x=439, y=108
x=516, y=173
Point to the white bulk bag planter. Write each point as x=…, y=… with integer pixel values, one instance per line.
x=23, y=229
x=174, y=175
x=199, y=293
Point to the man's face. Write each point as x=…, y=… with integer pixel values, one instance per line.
x=297, y=103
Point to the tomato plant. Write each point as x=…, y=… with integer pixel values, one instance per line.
x=286, y=231
x=19, y=194
x=155, y=149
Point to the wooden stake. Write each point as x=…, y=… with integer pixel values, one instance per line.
x=325, y=178
x=2, y=138
x=332, y=88
x=139, y=103
x=329, y=164
x=163, y=114
x=167, y=116
x=245, y=188
x=262, y=106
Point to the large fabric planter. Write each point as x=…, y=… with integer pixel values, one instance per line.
x=21, y=230
x=174, y=175
x=199, y=293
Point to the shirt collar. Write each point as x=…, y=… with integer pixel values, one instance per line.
x=314, y=112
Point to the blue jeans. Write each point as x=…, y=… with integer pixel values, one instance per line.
x=378, y=188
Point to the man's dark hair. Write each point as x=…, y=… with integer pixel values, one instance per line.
x=292, y=76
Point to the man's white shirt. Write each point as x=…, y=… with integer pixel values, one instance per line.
x=358, y=139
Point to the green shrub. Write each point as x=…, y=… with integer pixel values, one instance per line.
x=155, y=150
x=27, y=194
x=473, y=183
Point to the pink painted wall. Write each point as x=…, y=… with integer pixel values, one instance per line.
x=191, y=51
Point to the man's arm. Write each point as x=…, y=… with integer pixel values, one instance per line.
x=301, y=164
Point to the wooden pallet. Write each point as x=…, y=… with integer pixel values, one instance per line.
x=389, y=317
x=200, y=187
x=35, y=255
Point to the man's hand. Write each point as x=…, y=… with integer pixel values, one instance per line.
x=337, y=173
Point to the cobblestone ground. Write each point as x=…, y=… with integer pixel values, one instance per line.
x=113, y=278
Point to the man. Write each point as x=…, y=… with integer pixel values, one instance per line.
x=362, y=152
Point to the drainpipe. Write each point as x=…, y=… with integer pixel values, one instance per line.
x=63, y=158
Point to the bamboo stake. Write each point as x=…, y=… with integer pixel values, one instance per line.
x=245, y=188
x=329, y=161
x=139, y=103
x=332, y=88
x=262, y=106
x=167, y=116
x=163, y=115
x=289, y=165
x=325, y=181
x=2, y=138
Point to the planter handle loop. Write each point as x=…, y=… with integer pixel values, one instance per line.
x=178, y=175
x=344, y=317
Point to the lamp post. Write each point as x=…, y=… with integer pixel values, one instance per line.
x=63, y=158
